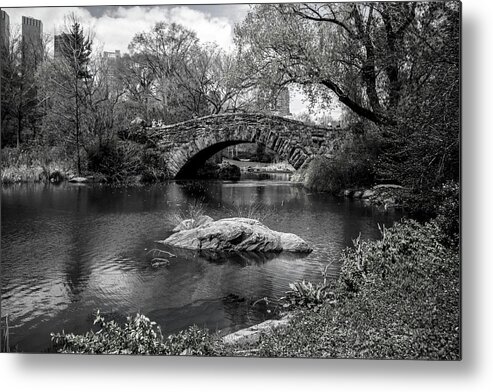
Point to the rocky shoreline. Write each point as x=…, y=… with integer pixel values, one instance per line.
x=253, y=333
x=384, y=195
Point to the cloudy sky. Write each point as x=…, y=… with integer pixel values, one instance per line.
x=115, y=26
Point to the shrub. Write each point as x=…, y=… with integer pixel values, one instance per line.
x=332, y=175
x=441, y=204
x=397, y=298
x=115, y=160
x=120, y=161
x=308, y=294
x=193, y=212
x=139, y=335
x=370, y=260
x=448, y=218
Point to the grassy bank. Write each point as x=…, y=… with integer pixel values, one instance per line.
x=29, y=165
x=120, y=163
x=398, y=298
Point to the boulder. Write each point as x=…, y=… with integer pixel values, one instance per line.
x=357, y=194
x=188, y=224
x=78, y=180
x=367, y=194
x=236, y=235
x=391, y=186
x=252, y=334
x=56, y=177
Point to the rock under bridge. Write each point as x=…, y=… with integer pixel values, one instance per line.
x=187, y=145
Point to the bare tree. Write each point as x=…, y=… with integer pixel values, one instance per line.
x=21, y=103
x=63, y=78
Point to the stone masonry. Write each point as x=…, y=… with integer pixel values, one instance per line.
x=187, y=145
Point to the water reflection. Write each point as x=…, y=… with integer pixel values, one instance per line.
x=68, y=250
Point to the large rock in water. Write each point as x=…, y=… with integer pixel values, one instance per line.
x=236, y=235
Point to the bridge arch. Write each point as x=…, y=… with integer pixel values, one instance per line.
x=187, y=145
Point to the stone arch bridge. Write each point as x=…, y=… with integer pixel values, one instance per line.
x=187, y=145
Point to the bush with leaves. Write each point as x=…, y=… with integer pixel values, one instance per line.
x=154, y=166
x=351, y=166
x=382, y=259
x=442, y=204
x=309, y=295
x=139, y=335
x=119, y=161
x=397, y=298
x=448, y=218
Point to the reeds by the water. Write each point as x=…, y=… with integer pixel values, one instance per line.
x=5, y=336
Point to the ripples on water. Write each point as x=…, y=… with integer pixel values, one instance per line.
x=70, y=249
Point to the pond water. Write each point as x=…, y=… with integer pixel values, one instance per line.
x=68, y=250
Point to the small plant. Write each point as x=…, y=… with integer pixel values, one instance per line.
x=139, y=335
x=5, y=336
x=308, y=294
x=254, y=210
x=192, y=212
x=191, y=341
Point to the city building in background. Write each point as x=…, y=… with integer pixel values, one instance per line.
x=5, y=29
x=32, y=42
x=111, y=59
x=61, y=41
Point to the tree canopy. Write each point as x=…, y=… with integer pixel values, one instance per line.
x=396, y=65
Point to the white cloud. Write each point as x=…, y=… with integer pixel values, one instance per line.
x=208, y=28
x=53, y=18
x=118, y=25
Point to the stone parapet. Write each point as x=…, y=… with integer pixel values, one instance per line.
x=188, y=144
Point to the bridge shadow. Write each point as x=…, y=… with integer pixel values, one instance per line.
x=189, y=170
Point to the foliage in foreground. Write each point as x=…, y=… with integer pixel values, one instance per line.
x=396, y=298
x=138, y=335
x=441, y=203
x=308, y=294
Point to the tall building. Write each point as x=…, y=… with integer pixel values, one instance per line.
x=61, y=42
x=4, y=28
x=112, y=56
x=111, y=59
x=32, y=42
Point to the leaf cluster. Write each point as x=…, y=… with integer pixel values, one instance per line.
x=139, y=335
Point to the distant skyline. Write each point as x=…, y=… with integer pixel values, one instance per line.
x=115, y=26
x=212, y=23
